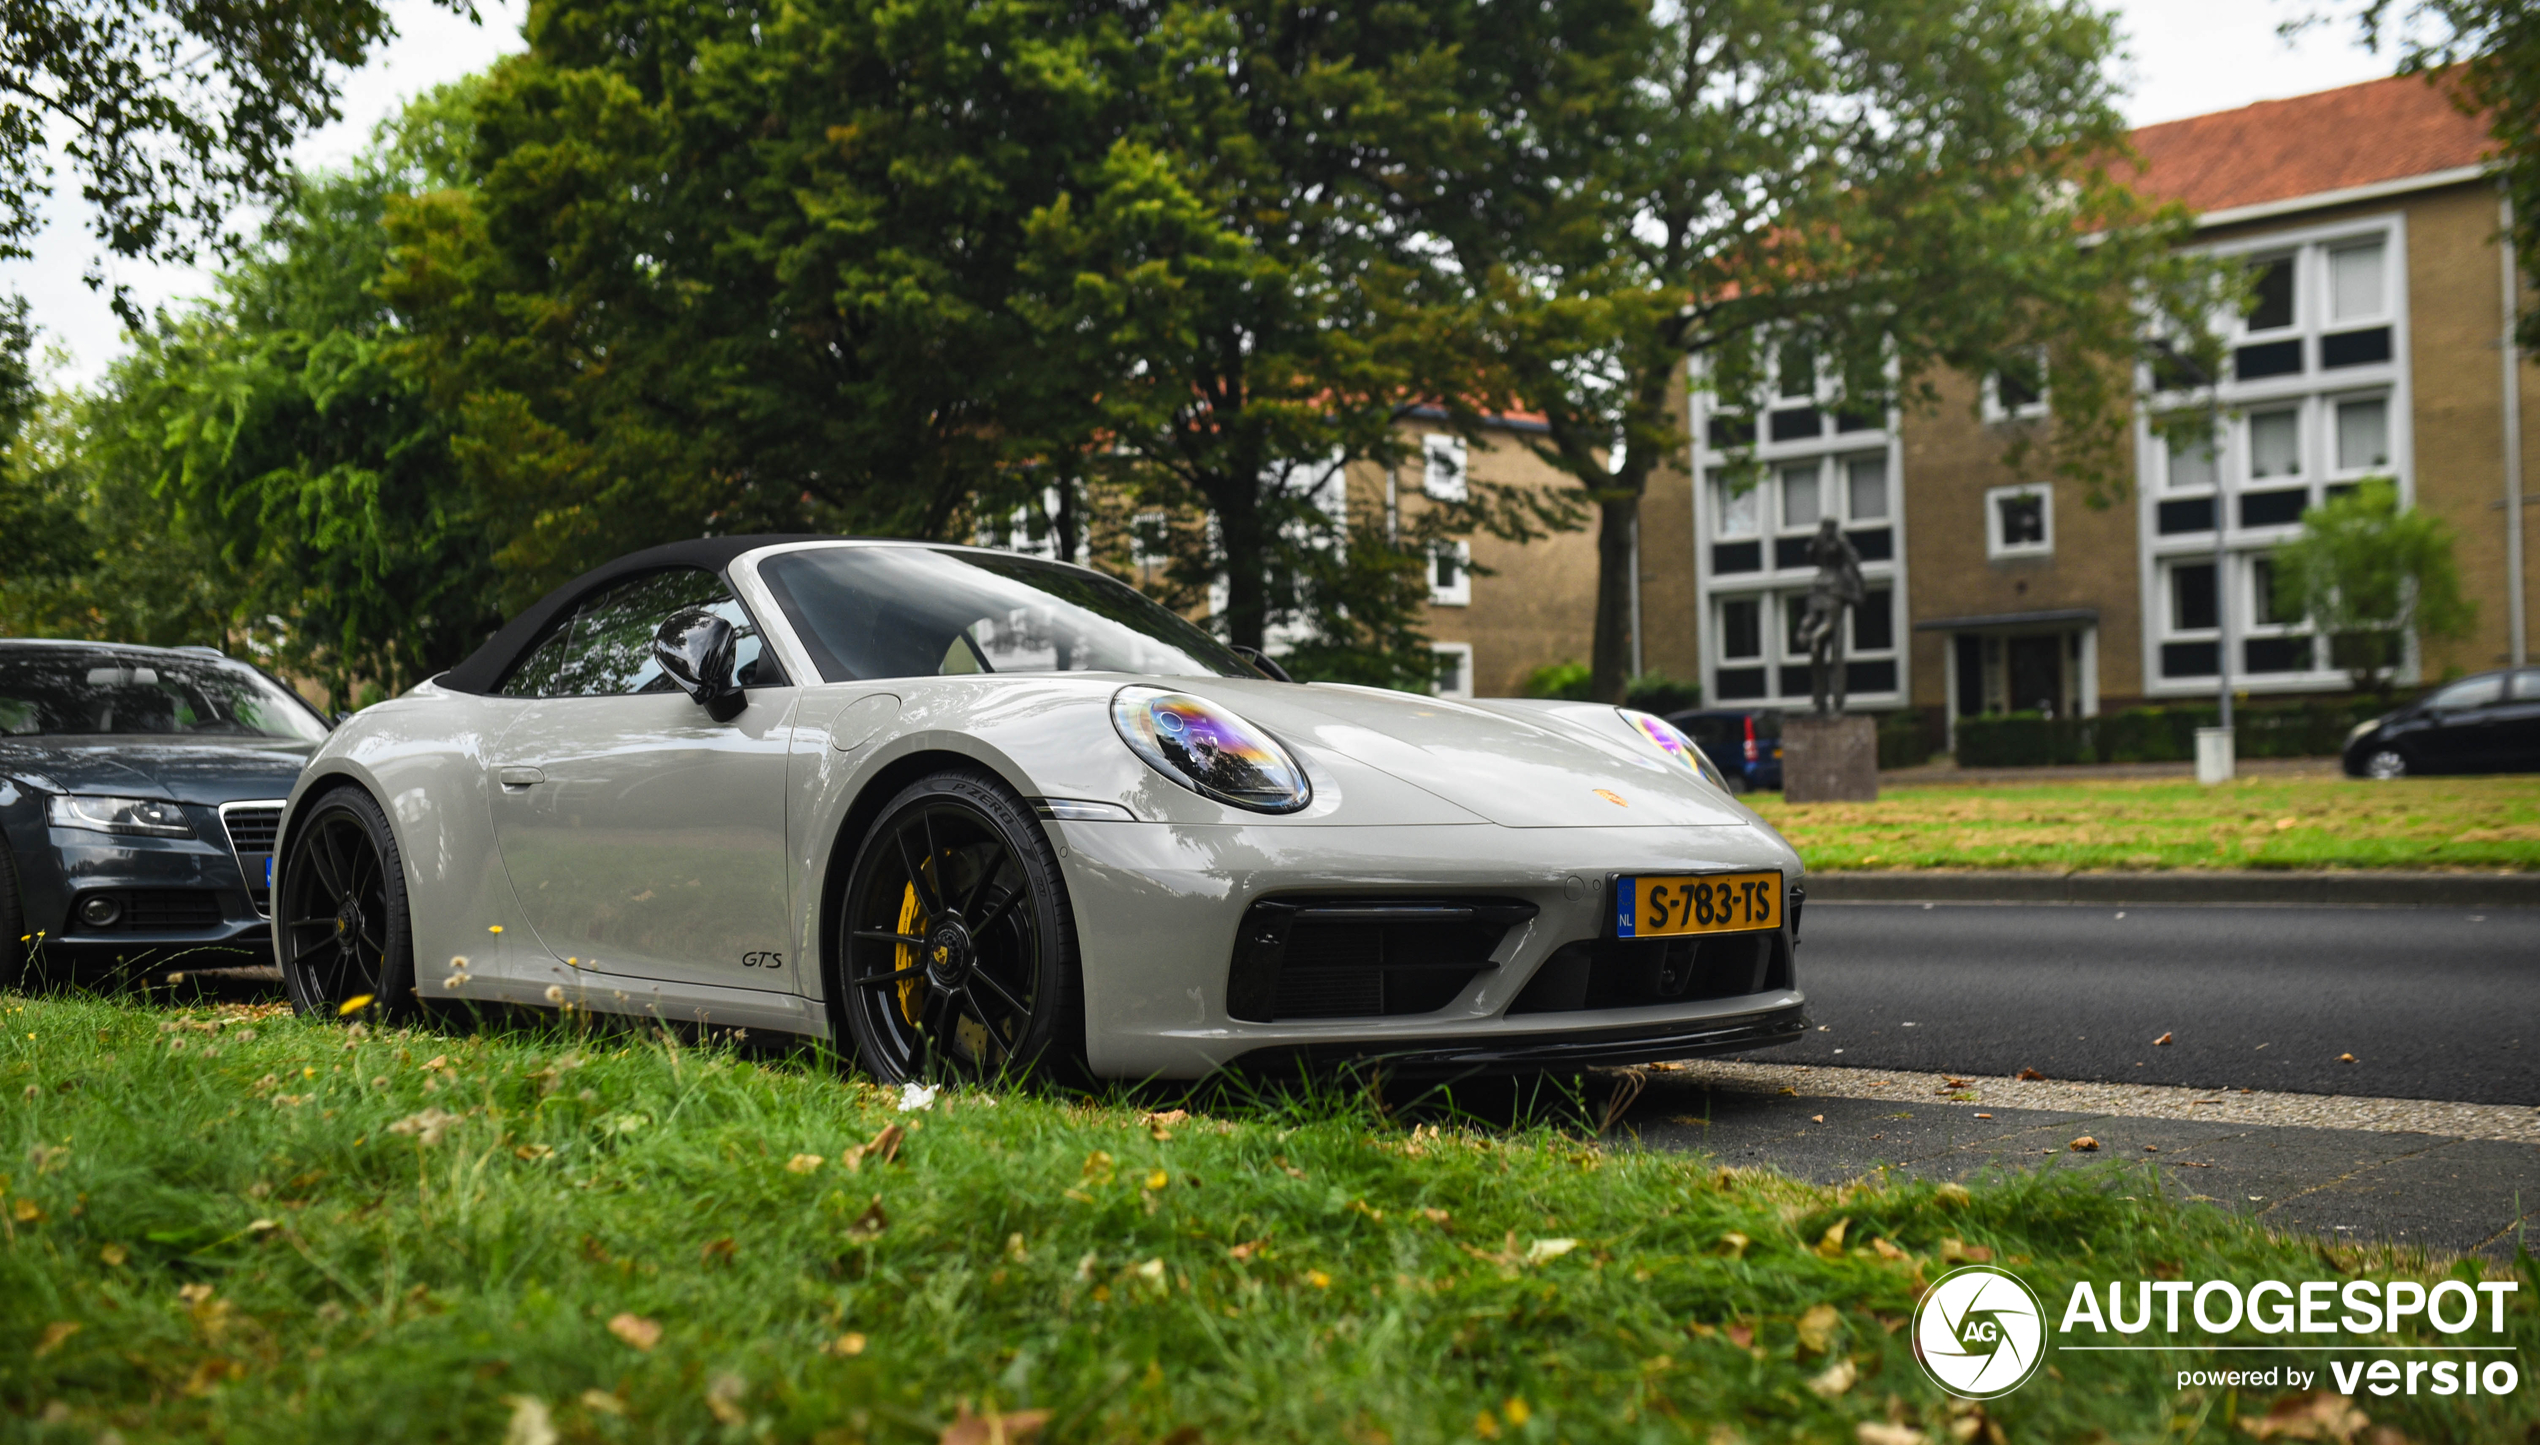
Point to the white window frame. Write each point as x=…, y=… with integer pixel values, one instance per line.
x=1996, y=546
x=1995, y=412
x=2314, y=392
x=1461, y=594
x=1463, y=653
x=1445, y=467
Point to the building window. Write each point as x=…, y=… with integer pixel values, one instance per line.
x=1865, y=487
x=1742, y=627
x=2016, y=392
x=1796, y=369
x=2192, y=597
x=1445, y=458
x=2355, y=288
x=1740, y=509
x=1803, y=496
x=2272, y=290
x=2363, y=435
x=2019, y=521
x=2192, y=464
x=1455, y=669
x=1451, y=574
x=2275, y=444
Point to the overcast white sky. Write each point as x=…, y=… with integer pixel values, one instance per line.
x=2188, y=57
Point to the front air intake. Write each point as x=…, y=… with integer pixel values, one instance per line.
x=1330, y=958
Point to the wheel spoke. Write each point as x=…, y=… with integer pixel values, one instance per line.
x=926, y=891
x=876, y=980
x=996, y=914
x=1014, y=1007
x=343, y=870
x=987, y=875
x=319, y=859
x=883, y=935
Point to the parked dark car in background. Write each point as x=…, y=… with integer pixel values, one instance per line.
x=1746, y=743
x=139, y=792
x=2489, y=723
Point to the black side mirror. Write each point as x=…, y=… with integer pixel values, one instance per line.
x=695, y=649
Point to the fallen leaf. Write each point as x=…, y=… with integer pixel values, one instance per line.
x=1836, y=1379
x=1879, y=1432
x=114, y=1255
x=2030, y=1074
x=723, y=1397
x=1160, y=1123
x=2163, y=1039
x=1244, y=1250
x=1887, y=1250
x=870, y=1224
x=2321, y=1415
x=426, y=1127
x=1152, y=1271
x=882, y=1148
x=1816, y=1118
x=532, y=1152
x=1816, y=1328
x=1733, y=1244
x=2345, y=1058
x=1544, y=1249
x=717, y=1251
x=530, y=1422
x=1434, y=1215
x=603, y=1402
x=2151, y=1148
x=353, y=1005
x=993, y=1428
x=1955, y=1251
x=2084, y=1145
x=1830, y=1244
x=54, y=1334
x=845, y=1346
x=636, y=1330
x=1742, y=1336
x=803, y=1163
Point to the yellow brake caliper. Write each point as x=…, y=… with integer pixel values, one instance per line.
x=904, y=956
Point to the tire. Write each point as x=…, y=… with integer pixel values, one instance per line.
x=955, y=954
x=2383, y=764
x=340, y=909
x=15, y=950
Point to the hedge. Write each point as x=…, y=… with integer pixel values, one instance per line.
x=2160, y=734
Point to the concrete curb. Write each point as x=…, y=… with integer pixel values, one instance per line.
x=2419, y=890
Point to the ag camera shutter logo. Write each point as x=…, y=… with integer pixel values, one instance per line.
x=1980, y=1332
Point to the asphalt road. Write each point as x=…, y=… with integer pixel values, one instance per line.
x=2433, y=1003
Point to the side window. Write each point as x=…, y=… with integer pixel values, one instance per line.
x=2469, y=693
x=605, y=647
x=2527, y=685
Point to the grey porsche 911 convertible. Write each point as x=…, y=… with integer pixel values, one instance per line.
x=966, y=811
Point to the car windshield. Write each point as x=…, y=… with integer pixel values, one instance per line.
x=868, y=612
x=75, y=692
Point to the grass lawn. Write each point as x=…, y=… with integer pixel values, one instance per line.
x=240, y=1226
x=2261, y=822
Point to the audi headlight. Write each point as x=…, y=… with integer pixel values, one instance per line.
x=150, y=817
x=1209, y=750
x=2356, y=733
x=1670, y=741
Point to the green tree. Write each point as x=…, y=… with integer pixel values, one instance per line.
x=260, y=474
x=169, y=110
x=1876, y=191
x=2368, y=574
x=2486, y=53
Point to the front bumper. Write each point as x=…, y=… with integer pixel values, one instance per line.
x=1158, y=909
x=178, y=893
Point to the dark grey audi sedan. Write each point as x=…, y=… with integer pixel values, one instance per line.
x=139, y=791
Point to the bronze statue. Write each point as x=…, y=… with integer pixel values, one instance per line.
x=1837, y=586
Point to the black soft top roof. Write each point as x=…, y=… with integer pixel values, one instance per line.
x=485, y=668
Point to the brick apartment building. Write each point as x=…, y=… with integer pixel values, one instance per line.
x=2379, y=345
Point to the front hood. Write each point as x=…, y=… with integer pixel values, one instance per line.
x=185, y=772
x=1520, y=771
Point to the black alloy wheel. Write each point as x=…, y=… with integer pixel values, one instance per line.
x=956, y=953
x=347, y=948
x=2384, y=763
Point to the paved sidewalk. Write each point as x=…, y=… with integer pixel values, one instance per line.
x=2439, y=1193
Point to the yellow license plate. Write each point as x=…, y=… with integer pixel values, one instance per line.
x=1714, y=903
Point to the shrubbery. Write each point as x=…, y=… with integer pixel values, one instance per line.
x=2157, y=734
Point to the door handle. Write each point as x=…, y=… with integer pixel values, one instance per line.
x=521, y=777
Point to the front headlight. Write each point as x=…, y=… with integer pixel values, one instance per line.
x=1209, y=750
x=1671, y=742
x=2356, y=733
x=149, y=817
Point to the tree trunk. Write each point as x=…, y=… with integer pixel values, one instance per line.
x=1617, y=512
x=1237, y=503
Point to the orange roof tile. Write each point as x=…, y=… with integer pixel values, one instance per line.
x=2335, y=140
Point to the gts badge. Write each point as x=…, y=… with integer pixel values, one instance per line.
x=762, y=960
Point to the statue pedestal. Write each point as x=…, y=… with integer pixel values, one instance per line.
x=1830, y=759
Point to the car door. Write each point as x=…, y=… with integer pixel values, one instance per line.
x=2518, y=724
x=643, y=837
x=2461, y=725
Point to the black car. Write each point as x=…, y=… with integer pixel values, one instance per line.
x=2489, y=723
x=139, y=792
x=1746, y=743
